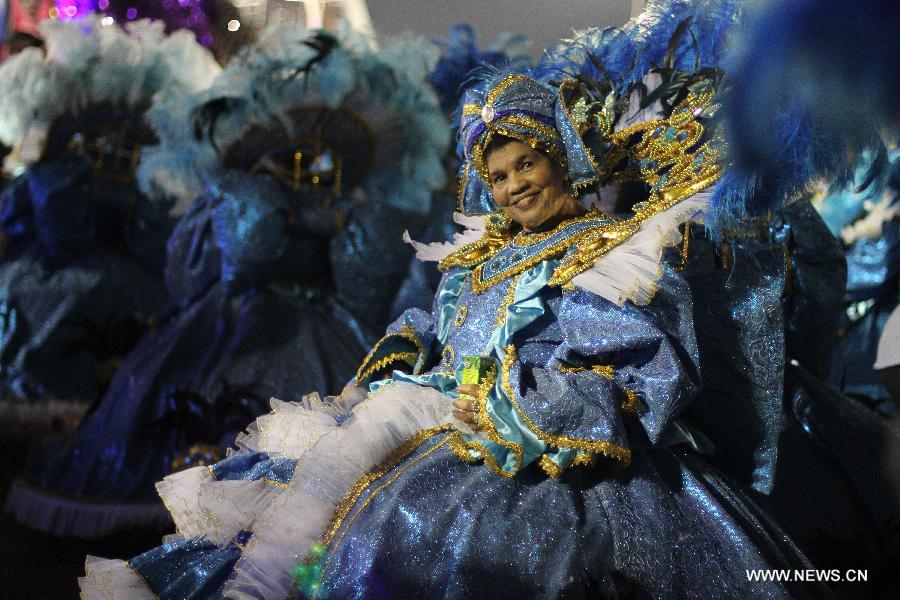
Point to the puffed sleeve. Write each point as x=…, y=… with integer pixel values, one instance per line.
x=413, y=341
x=560, y=403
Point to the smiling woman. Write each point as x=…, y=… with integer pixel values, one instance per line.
x=563, y=464
x=528, y=185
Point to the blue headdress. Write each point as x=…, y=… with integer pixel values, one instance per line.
x=518, y=107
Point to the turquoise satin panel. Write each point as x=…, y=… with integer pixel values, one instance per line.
x=527, y=306
x=448, y=296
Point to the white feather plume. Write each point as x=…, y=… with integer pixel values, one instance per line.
x=632, y=270
x=473, y=230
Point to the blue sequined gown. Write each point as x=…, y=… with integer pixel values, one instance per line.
x=584, y=481
x=80, y=276
x=269, y=297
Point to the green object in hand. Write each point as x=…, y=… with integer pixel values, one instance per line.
x=477, y=368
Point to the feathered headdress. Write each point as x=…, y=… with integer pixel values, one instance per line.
x=90, y=63
x=460, y=57
x=374, y=107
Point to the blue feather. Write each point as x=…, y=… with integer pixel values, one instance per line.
x=815, y=83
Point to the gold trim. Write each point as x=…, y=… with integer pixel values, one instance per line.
x=584, y=460
x=486, y=424
x=549, y=466
x=408, y=357
x=406, y=333
x=356, y=490
x=471, y=109
x=508, y=298
x=283, y=486
x=607, y=449
x=461, y=313
x=448, y=356
x=630, y=405
x=529, y=239
x=359, y=486
x=501, y=87
x=495, y=237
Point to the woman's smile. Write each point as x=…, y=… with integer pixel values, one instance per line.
x=529, y=186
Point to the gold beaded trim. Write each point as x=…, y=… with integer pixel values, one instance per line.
x=408, y=357
x=607, y=449
x=406, y=333
x=630, y=405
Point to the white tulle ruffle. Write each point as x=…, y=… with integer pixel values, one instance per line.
x=297, y=518
x=286, y=520
x=109, y=579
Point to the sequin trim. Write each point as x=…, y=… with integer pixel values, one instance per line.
x=502, y=87
x=508, y=299
x=486, y=424
x=461, y=313
x=607, y=449
x=630, y=405
x=359, y=486
x=549, y=466
x=496, y=236
x=407, y=334
x=408, y=357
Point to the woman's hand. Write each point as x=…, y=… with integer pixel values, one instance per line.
x=465, y=405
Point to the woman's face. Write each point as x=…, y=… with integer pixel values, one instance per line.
x=528, y=186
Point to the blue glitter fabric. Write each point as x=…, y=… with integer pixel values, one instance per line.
x=663, y=525
x=79, y=277
x=269, y=298
x=740, y=330
x=186, y=568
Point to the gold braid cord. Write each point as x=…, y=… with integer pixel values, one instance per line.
x=374, y=361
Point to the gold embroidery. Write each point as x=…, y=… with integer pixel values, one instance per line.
x=471, y=109
x=584, y=460
x=486, y=424
x=495, y=237
x=502, y=87
x=406, y=333
x=461, y=313
x=359, y=486
x=630, y=405
x=528, y=239
x=372, y=368
x=559, y=441
x=461, y=448
x=668, y=161
x=508, y=300
x=448, y=356
x=550, y=467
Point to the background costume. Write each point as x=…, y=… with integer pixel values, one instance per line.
x=81, y=273
x=310, y=156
